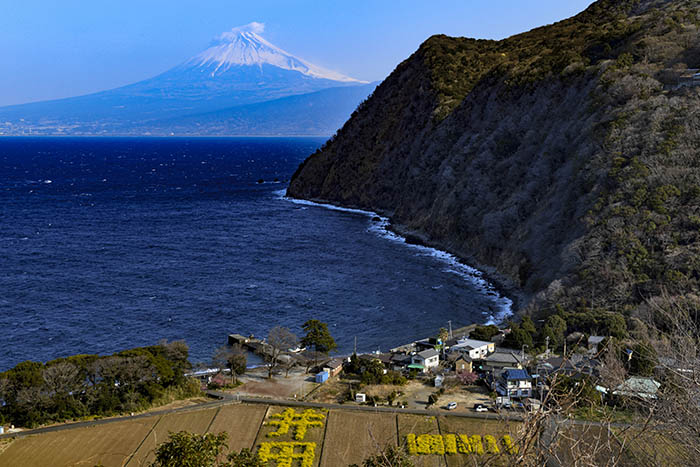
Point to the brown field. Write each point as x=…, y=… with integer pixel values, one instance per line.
x=653, y=448
x=352, y=436
x=110, y=444
x=241, y=422
x=346, y=436
x=196, y=421
x=420, y=425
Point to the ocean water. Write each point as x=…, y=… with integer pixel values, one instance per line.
x=108, y=244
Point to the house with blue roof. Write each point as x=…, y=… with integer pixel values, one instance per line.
x=513, y=383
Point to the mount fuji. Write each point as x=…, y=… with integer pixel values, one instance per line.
x=242, y=78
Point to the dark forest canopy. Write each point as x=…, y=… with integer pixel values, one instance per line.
x=34, y=393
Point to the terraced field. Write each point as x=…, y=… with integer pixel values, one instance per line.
x=311, y=437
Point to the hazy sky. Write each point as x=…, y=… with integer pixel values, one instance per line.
x=52, y=49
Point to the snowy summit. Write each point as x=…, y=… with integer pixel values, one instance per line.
x=243, y=46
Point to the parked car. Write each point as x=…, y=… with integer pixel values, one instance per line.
x=451, y=406
x=480, y=408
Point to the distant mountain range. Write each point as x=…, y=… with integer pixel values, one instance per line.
x=240, y=85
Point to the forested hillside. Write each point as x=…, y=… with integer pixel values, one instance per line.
x=563, y=159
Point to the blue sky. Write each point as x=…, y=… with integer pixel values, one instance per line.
x=53, y=49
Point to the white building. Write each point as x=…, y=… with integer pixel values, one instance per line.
x=476, y=350
x=428, y=359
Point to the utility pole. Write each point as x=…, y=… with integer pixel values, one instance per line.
x=546, y=340
x=355, y=345
x=522, y=353
x=449, y=324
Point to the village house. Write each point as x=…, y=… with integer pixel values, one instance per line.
x=334, y=367
x=499, y=360
x=473, y=348
x=639, y=387
x=426, y=360
x=385, y=359
x=463, y=364
x=399, y=361
x=575, y=365
x=513, y=383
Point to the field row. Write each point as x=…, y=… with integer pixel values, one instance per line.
x=335, y=438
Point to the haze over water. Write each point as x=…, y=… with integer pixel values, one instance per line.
x=109, y=244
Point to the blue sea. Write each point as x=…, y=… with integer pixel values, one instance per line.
x=108, y=244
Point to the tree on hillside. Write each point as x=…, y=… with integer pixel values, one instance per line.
x=4, y=388
x=280, y=339
x=644, y=359
x=555, y=329
x=318, y=337
x=517, y=338
x=528, y=326
x=231, y=357
x=484, y=333
x=61, y=379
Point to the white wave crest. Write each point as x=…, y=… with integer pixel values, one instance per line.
x=454, y=265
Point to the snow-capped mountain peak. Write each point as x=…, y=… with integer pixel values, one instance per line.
x=244, y=46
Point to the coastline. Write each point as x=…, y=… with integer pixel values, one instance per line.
x=507, y=297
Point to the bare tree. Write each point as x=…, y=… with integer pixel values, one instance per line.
x=279, y=340
x=287, y=362
x=233, y=358
x=61, y=378
x=176, y=351
x=311, y=358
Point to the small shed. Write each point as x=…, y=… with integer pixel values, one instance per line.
x=322, y=377
x=334, y=366
x=360, y=398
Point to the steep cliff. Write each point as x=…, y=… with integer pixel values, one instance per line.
x=564, y=158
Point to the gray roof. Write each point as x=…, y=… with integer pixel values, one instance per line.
x=504, y=357
x=638, y=386
x=400, y=358
x=335, y=363
x=428, y=353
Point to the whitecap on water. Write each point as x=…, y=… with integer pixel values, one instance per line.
x=455, y=266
